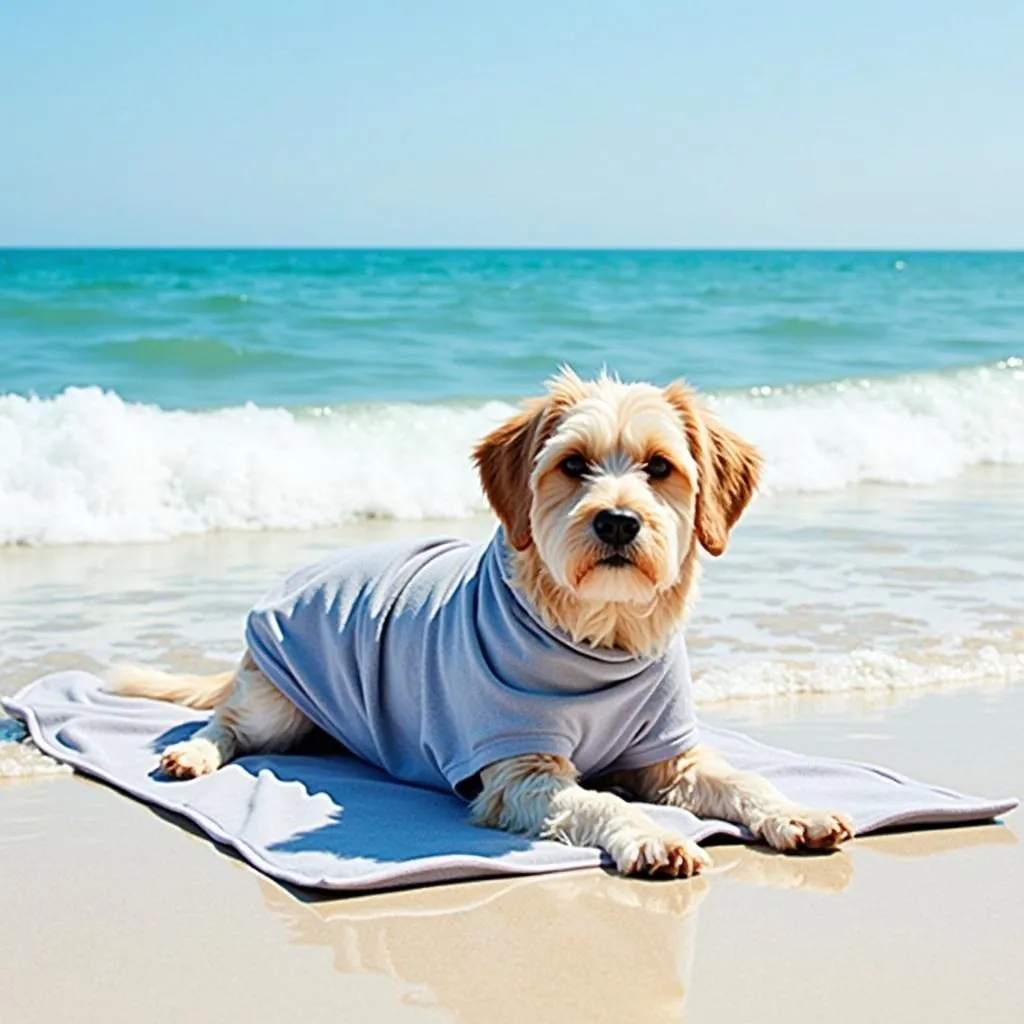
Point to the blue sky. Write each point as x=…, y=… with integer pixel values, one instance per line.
x=636, y=123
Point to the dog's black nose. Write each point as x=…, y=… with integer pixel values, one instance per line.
x=616, y=527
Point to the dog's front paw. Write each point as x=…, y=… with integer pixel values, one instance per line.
x=800, y=829
x=659, y=853
x=190, y=759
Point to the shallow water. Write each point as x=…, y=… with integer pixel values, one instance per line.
x=877, y=590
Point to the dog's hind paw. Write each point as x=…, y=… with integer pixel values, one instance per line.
x=661, y=854
x=190, y=759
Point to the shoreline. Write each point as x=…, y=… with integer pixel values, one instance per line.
x=880, y=589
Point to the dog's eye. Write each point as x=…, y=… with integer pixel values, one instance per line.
x=574, y=466
x=658, y=467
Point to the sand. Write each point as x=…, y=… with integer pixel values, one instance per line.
x=113, y=913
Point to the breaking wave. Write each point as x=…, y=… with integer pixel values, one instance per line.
x=866, y=672
x=87, y=466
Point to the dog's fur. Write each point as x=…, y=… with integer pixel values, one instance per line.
x=705, y=477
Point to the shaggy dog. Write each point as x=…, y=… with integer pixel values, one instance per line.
x=605, y=491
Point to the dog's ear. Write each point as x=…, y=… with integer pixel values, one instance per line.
x=505, y=459
x=728, y=467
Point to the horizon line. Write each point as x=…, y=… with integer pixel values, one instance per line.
x=189, y=247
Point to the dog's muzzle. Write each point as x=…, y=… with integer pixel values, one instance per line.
x=616, y=527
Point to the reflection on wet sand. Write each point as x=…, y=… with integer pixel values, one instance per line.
x=832, y=873
x=921, y=842
x=506, y=949
x=758, y=865
x=503, y=949
x=515, y=949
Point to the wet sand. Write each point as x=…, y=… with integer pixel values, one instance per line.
x=114, y=913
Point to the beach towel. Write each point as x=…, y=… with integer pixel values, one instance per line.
x=421, y=657
x=331, y=821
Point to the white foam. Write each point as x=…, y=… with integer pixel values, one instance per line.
x=910, y=430
x=20, y=757
x=88, y=467
x=866, y=672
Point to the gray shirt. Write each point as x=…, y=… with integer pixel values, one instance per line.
x=422, y=658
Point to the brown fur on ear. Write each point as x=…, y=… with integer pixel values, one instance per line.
x=505, y=460
x=729, y=468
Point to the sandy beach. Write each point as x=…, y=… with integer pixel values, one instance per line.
x=121, y=910
x=277, y=280
x=131, y=911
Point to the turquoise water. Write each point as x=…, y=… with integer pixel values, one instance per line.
x=147, y=395
x=206, y=329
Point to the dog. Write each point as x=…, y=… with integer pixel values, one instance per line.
x=510, y=672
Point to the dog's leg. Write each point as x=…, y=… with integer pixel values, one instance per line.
x=205, y=751
x=538, y=795
x=703, y=782
x=254, y=718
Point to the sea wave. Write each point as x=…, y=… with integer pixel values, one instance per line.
x=87, y=466
x=867, y=672
x=199, y=355
x=917, y=429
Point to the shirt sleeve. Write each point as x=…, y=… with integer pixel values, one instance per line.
x=459, y=773
x=672, y=723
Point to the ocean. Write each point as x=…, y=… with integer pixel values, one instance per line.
x=177, y=427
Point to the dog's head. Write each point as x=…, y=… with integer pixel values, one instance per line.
x=613, y=484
